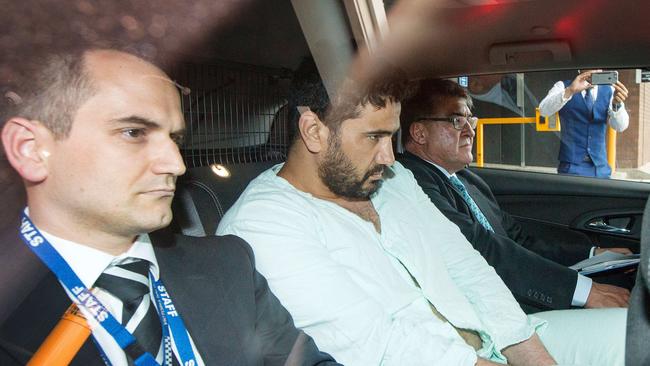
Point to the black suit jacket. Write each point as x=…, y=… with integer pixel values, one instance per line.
x=227, y=306
x=526, y=264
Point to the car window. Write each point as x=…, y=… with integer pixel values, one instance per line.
x=514, y=134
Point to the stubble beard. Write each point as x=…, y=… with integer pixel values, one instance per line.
x=339, y=174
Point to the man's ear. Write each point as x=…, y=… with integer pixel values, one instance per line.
x=312, y=132
x=26, y=146
x=418, y=133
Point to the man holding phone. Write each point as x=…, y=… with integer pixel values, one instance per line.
x=586, y=108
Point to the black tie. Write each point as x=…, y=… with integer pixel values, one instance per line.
x=130, y=283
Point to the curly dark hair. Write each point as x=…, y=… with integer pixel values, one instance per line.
x=307, y=89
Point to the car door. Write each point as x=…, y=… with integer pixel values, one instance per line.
x=607, y=212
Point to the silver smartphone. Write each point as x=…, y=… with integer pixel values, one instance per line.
x=604, y=78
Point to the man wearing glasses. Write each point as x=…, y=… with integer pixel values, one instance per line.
x=438, y=132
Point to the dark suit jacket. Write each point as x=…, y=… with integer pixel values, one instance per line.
x=526, y=264
x=227, y=306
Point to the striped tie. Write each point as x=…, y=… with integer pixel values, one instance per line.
x=470, y=202
x=130, y=283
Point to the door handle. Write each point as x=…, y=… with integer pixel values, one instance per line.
x=601, y=225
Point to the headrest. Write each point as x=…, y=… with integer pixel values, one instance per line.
x=197, y=209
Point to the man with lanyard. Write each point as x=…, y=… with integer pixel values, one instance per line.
x=95, y=142
x=585, y=111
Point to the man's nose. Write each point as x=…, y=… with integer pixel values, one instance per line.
x=385, y=155
x=468, y=130
x=169, y=160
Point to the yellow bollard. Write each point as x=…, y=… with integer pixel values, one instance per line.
x=479, y=144
x=611, y=148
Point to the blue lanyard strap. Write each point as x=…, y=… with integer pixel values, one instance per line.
x=173, y=323
x=81, y=295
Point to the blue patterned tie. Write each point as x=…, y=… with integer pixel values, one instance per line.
x=470, y=202
x=589, y=100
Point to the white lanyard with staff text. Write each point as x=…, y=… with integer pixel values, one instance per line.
x=83, y=297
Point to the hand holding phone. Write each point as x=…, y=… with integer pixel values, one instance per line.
x=620, y=94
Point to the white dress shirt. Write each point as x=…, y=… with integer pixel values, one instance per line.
x=555, y=100
x=346, y=285
x=88, y=264
x=584, y=283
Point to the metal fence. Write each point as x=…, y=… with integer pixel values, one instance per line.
x=234, y=113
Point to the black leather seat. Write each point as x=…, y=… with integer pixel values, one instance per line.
x=202, y=198
x=197, y=209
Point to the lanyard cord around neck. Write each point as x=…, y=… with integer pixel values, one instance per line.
x=83, y=297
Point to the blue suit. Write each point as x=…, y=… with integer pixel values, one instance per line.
x=583, y=148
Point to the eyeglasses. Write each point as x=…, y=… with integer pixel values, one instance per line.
x=458, y=121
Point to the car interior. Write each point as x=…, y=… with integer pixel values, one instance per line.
x=452, y=38
x=234, y=62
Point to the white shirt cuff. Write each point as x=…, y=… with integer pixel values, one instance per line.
x=580, y=295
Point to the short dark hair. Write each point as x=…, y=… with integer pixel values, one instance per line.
x=427, y=96
x=51, y=91
x=307, y=89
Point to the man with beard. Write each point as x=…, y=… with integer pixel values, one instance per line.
x=363, y=260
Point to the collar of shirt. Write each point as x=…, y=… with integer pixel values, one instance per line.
x=443, y=170
x=594, y=92
x=89, y=263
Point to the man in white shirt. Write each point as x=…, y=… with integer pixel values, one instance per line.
x=95, y=140
x=585, y=112
x=396, y=282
